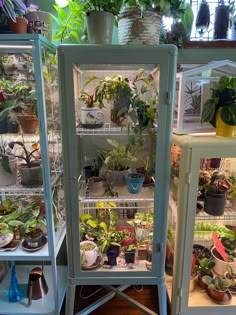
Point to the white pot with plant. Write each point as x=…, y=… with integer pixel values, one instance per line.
x=88, y=253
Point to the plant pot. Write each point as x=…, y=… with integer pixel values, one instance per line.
x=134, y=182
x=142, y=234
x=30, y=176
x=96, y=186
x=88, y=253
x=222, y=129
x=221, y=22
x=90, y=172
x=91, y=117
x=33, y=239
x=136, y=27
x=130, y=230
x=29, y=123
x=192, y=282
x=40, y=22
x=13, y=126
x=200, y=283
x=218, y=296
x=112, y=253
x=20, y=27
x=130, y=257
x=147, y=179
x=3, y=126
x=232, y=279
x=100, y=27
x=220, y=265
x=9, y=178
x=214, y=203
x=117, y=177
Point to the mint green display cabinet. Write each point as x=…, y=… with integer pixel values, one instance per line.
x=192, y=220
x=29, y=80
x=83, y=69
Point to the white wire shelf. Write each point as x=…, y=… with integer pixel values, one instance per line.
x=20, y=189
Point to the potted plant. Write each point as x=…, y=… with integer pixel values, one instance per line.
x=203, y=268
x=130, y=253
x=223, y=251
x=219, y=110
x=231, y=276
x=39, y=22
x=100, y=16
x=147, y=14
x=88, y=253
x=34, y=223
x=117, y=161
x=8, y=167
x=70, y=21
x=217, y=287
x=31, y=170
x=215, y=193
x=14, y=11
x=143, y=225
x=90, y=116
x=134, y=182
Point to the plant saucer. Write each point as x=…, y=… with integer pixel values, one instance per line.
x=92, y=126
x=5, y=239
x=227, y=298
x=41, y=244
x=95, y=265
x=11, y=246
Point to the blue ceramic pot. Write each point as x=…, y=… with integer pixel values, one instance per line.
x=134, y=182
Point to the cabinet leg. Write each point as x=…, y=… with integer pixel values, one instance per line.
x=70, y=299
x=162, y=297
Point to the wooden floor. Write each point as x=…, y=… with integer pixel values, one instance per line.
x=146, y=295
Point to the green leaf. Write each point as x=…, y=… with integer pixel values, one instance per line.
x=208, y=111
x=15, y=223
x=5, y=164
x=228, y=114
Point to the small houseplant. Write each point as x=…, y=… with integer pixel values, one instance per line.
x=88, y=253
x=117, y=161
x=130, y=253
x=90, y=116
x=148, y=14
x=220, y=109
x=231, y=276
x=215, y=193
x=204, y=268
x=217, y=287
x=31, y=170
x=100, y=16
x=14, y=12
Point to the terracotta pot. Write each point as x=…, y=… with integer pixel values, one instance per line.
x=30, y=176
x=147, y=179
x=216, y=295
x=200, y=282
x=29, y=123
x=20, y=27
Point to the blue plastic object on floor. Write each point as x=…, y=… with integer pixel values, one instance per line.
x=15, y=293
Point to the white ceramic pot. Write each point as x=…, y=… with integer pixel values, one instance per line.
x=88, y=257
x=91, y=116
x=220, y=265
x=9, y=178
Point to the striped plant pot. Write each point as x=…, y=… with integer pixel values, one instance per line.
x=135, y=27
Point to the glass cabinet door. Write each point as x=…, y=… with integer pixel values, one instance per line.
x=202, y=222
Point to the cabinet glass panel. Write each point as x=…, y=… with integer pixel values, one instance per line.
x=115, y=139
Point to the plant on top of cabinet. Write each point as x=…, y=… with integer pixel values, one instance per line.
x=14, y=12
x=215, y=196
x=220, y=109
x=100, y=16
x=217, y=287
x=31, y=170
x=70, y=21
x=117, y=161
x=148, y=15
